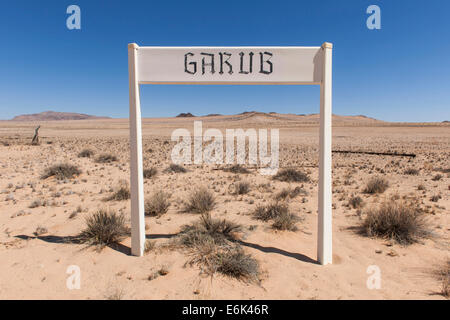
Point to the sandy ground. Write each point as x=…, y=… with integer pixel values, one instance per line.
x=35, y=267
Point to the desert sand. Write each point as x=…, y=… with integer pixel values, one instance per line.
x=35, y=267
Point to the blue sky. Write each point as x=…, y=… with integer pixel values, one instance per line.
x=398, y=73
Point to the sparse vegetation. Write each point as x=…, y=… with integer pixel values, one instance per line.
x=242, y=187
x=86, y=153
x=356, y=202
x=104, y=228
x=376, y=185
x=291, y=175
x=234, y=262
x=435, y=198
x=444, y=276
x=200, y=201
x=175, y=168
x=157, y=204
x=150, y=172
x=40, y=231
x=237, y=168
x=411, y=172
x=61, y=171
x=213, y=246
x=106, y=158
x=123, y=193
x=399, y=221
x=208, y=230
x=271, y=211
x=437, y=177
x=285, y=221
x=288, y=192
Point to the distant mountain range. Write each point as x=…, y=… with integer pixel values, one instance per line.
x=52, y=115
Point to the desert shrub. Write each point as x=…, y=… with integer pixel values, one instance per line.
x=270, y=211
x=208, y=230
x=237, y=168
x=285, y=221
x=106, y=158
x=157, y=204
x=356, y=202
x=40, y=231
x=86, y=153
x=176, y=168
x=104, y=228
x=398, y=221
x=200, y=201
x=435, y=198
x=123, y=193
x=420, y=187
x=437, y=177
x=444, y=276
x=411, y=171
x=234, y=262
x=37, y=203
x=376, y=185
x=242, y=187
x=291, y=175
x=150, y=172
x=149, y=246
x=283, y=194
x=288, y=192
x=61, y=171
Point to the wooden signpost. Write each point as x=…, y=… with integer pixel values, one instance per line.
x=231, y=65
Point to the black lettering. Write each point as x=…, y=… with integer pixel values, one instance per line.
x=190, y=63
x=250, y=63
x=261, y=55
x=211, y=64
x=230, y=67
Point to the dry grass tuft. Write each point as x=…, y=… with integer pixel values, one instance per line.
x=208, y=230
x=157, y=204
x=123, y=193
x=376, y=185
x=242, y=188
x=150, y=172
x=61, y=171
x=106, y=158
x=399, y=221
x=104, y=228
x=237, y=168
x=235, y=263
x=213, y=247
x=270, y=211
x=285, y=221
x=86, y=153
x=175, y=168
x=291, y=175
x=200, y=201
x=356, y=202
x=444, y=275
x=411, y=172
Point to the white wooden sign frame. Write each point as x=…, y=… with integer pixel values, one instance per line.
x=231, y=65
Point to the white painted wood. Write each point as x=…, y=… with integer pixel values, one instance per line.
x=324, y=241
x=136, y=172
x=169, y=65
x=288, y=65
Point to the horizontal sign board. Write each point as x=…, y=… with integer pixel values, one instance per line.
x=229, y=65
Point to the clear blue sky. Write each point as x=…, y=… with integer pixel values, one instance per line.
x=398, y=73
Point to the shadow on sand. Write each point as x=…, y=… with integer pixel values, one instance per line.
x=127, y=250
